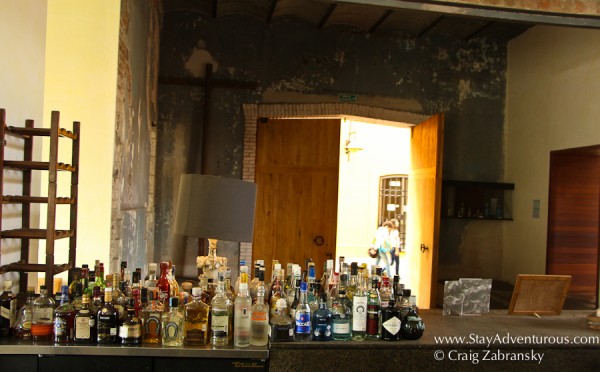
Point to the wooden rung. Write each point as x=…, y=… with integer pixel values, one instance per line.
x=8, y=199
x=35, y=234
x=43, y=132
x=37, y=165
x=28, y=267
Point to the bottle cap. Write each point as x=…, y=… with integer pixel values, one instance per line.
x=303, y=287
x=164, y=265
x=196, y=291
x=174, y=302
x=281, y=303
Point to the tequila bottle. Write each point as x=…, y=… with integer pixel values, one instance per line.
x=221, y=320
x=130, y=332
x=152, y=317
x=64, y=317
x=85, y=323
x=282, y=326
x=196, y=320
x=259, y=322
x=322, y=321
x=359, y=311
x=107, y=320
x=43, y=316
x=303, y=325
x=172, y=324
x=242, y=310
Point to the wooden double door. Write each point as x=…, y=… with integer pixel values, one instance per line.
x=297, y=171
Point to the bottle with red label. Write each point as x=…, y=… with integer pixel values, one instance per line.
x=373, y=311
x=163, y=285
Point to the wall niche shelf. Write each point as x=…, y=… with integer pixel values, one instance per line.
x=477, y=200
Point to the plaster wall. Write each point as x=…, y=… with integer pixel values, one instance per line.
x=552, y=90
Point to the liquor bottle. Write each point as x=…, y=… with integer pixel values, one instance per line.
x=172, y=324
x=43, y=316
x=313, y=295
x=342, y=317
x=8, y=315
x=412, y=327
x=123, y=267
x=85, y=323
x=359, y=311
x=119, y=300
x=303, y=327
x=259, y=322
x=64, y=316
x=390, y=322
x=196, y=320
x=277, y=291
x=75, y=282
x=77, y=296
x=99, y=272
x=136, y=296
x=173, y=285
x=385, y=292
x=221, y=321
x=254, y=282
x=353, y=284
x=205, y=296
x=282, y=326
x=151, y=280
x=243, y=270
x=296, y=300
x=97, y=300
x=322, y=321
x=152, y=318
x=229, y=290
x=242, y=310
x=164, y=288
x=294, y=284
x=24, y=316
x=107, y=320
x=373, y=310
x=130, y=331
x=85, y=280
x=334, y=290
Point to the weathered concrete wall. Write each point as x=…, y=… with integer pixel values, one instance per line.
x=292, y=61
x=132, y=232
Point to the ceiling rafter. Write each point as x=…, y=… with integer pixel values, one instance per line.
x=326, y=16
x=430, y=27
x=380, y=21
x=271, y=10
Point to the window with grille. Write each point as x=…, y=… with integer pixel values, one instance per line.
x=393, y=199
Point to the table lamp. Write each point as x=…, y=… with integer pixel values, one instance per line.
x=216, y=208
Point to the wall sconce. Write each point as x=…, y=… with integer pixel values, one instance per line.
x=352, y=145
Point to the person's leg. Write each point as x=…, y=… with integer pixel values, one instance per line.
x=386, y=261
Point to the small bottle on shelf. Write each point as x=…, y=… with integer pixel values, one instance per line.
x=303, y=326
x=322, y=321
x=130, y=331
x=64, y=316
x=24, y=316
x=259, y=324
x=282, y=326
x=152, y=316
x=8, y=302
x=172, y=324
x=196, y=320
x=107, y=320
x=43, y=316
x=221, y=320
x=242, y=310
x=85, y=323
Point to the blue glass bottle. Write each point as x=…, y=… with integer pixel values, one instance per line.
x=322, y=321
x=303, y=323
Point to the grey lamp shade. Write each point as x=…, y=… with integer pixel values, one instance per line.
x=215, y=208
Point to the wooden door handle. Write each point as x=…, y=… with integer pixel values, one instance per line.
x=424, y=248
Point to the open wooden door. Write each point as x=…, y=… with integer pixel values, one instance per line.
x=424, y=201
x=297, y=171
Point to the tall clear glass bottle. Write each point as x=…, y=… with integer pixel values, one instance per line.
x=43, y=316
x=242, y=310
x=259, y=320
x=196, y=312
x=373, y=311
x=24, y=316
x=221, y=320
x=173, y=324
x=359, y=311
x=303, y=324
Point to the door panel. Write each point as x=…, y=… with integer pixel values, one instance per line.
x=574, y=220
x=424, y=195
x=297, y=167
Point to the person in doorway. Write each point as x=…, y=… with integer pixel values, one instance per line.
x=395, y=247
x=383, y=244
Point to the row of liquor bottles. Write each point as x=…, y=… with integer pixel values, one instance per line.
x=341, y=306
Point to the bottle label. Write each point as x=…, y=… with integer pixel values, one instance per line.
x=5, y=312
x=130, y=331
x=392, y=325
x=259, y=316
x=171, y=330
x=303, y=323
x=219, y=323
x=60, y=327
x=322, y=330
x=82, y=327
x=373, y=319
x=359, y=313
x=43, y=315
x=341, y=328
x=152, y=324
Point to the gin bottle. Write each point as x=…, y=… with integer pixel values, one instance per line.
x=259, y=320
x=242, y=310
x=43, y=316
x=282, y=326
x=302, y=316
x=342, y=317
x=196, y=320
x=322, y=321
x=64, y=316
x=359, y=311
x=221, y=320
x=390, y=322
x=172, y=324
